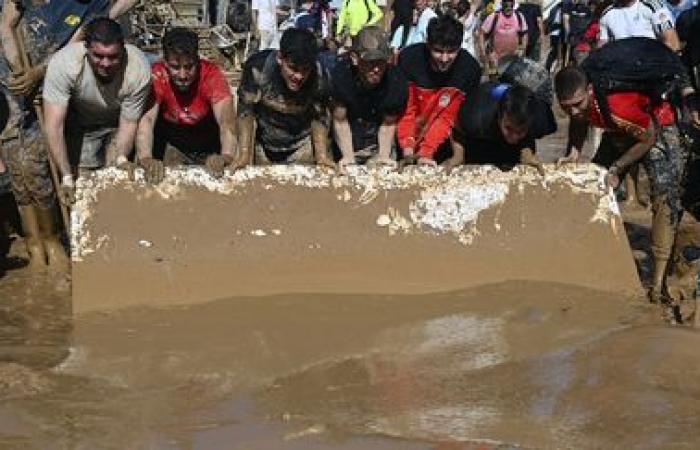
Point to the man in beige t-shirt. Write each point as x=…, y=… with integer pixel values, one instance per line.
x=94, y=95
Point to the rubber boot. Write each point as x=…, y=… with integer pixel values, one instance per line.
x=681, y=282
x=55, y=253
x=32, y=237
x=631, y=188
x=662, y=235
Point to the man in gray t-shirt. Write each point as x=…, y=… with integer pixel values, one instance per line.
x=94, y=95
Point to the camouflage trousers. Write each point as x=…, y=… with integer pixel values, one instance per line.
x=26, y=157
x=665, y=164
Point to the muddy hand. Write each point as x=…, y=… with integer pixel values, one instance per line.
x=25, y=82
x=422, y=161
x=344, y=163
x=216, y=164
x=325, y=163
x=450, y=164
x=66, y=192
x=612, y=180
x=571, y=158
x=153, y=169
x=407, y=160
x=382, y=161
x=128, y=167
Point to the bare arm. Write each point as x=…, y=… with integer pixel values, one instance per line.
x=387, y=133
x=54, y=123
x=144, y=134
x=578, y=130
x=226, y=118
x=123, y=141
x=8, y=27
x=343, y=134
x=670, y=38
x=120, y=7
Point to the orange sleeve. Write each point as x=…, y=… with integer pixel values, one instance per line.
x=440, y=126
x=406, y=128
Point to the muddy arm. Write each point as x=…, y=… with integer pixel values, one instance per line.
x=8, y=27
x=144, y=133
x=343, y=134
x=226, y=118
x=54, y=122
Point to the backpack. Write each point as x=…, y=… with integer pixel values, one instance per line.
x=521, y=21
x=580, y=18
x=636, y=64
x=240, y=16
x=551, y=24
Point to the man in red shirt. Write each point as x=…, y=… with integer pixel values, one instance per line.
x=638, y=130
x=191, y=118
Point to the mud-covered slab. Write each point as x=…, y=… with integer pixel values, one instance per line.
x=266, y=231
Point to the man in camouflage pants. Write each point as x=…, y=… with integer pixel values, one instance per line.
x=639, y=130
x=48, y=25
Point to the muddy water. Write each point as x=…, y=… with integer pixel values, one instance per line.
x=510, y=365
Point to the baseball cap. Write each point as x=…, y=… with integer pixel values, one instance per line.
x=371, y=44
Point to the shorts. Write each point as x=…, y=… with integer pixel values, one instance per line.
x=89, y=148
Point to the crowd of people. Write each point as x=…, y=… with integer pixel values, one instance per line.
x=458, y=84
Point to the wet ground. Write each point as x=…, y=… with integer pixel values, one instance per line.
x=508, y=365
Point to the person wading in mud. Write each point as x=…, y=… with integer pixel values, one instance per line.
x=499, y=125
x=39, y=28
x=282, y=105
x=440, y=76
x=639, y=130
x=368, y=95
x=94, y=94
x=191, y=118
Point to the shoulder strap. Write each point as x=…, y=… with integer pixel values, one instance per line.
x=493, y=24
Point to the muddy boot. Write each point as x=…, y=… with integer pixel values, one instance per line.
x=55, y=253
x=662, y=235
x=631, y=189
x=32, y=237
x=681, y=282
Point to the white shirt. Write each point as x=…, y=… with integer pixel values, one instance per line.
x=643, y=18
x=470, y=24
x=422, y=24
x=267, y=14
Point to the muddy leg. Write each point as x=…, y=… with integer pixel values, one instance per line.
x=32, y=237
x=55, y=253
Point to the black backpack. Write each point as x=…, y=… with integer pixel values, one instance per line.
x=551, y=24
x=636, y=64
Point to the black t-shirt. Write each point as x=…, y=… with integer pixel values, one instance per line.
x=283, y=117
x=367, y=107
x=580, y=17
x=688, y=27
x=531, y=13
x=464, y=74
x=478, y=130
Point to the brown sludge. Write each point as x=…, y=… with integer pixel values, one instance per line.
x=535, y=340
x=274, y=234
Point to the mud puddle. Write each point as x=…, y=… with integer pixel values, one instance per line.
x=510, y=365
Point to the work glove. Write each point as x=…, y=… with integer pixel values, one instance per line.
x=66, y=192
x=26, y=81
x=216, y=164
x=153, y=169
